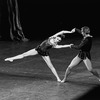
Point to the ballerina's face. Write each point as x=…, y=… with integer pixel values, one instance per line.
x=55, y=40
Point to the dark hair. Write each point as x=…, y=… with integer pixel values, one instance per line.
x=62, y=36
x=86, y=29
x=78, y=30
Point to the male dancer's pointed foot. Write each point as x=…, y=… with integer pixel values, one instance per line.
x=99, y=79
x=9, y=59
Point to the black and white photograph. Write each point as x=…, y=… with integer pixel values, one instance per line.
x=49, y=50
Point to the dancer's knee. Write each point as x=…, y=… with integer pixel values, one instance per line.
x=69, y=69
x=20, y=56
x=90, y=70
x=24, y=54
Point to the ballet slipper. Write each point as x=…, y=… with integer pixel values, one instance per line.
x=9, y=59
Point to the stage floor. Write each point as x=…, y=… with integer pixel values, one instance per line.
x=30, y=78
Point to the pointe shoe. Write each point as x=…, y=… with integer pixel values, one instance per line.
x=9, y=59
x=63, y=81
x=98, y=79
x=59, y=80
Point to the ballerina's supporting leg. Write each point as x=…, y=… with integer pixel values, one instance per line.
x=48, y=62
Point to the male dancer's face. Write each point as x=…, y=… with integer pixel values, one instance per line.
x=83, y=32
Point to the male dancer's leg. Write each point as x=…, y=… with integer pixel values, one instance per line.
x=88, y=64
x=73, y=63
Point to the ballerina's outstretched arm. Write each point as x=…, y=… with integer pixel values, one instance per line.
x=72, y=31
x=63, y=46
x=63, y=32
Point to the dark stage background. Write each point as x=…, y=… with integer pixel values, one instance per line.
x=42, y=19
x=30, y=78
